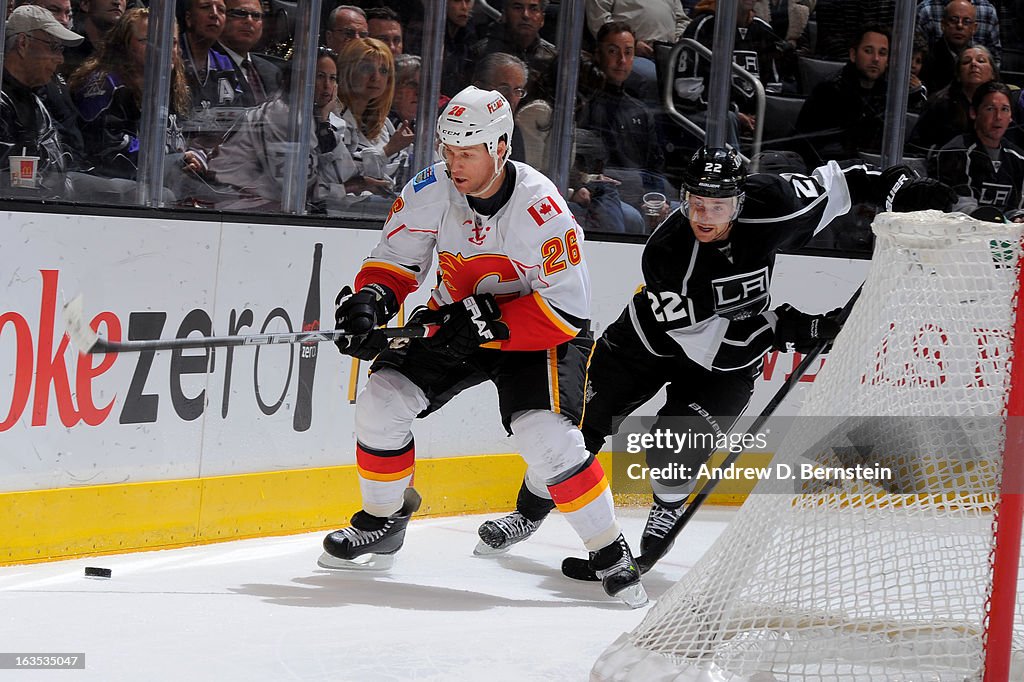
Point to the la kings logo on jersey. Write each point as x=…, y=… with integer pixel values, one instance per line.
x=740, y=296
x=994, y=194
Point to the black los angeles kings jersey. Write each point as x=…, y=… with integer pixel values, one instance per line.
x=711, y=301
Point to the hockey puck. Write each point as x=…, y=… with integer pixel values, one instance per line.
x=94, y=572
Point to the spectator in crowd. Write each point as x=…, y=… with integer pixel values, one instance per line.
x=60, y=9
x=518, y=34
x=325, y=89
x=108, y=92
x=624, y=124
x=755, y=49
x=366, y=88
x=93, y=19
x=653, y=21
x=958, y=25
x=405, y=107
x=33, y=51
x=986, y=27
x=981, y=165
x=846, y=113
x=948, y=111
x=210, y=74
x=345, y=23
x=594, y=197
x=384, y=24
x=459, y=36
x=508, y=75
x=788, y=19
x=258, y=77
x=254, y=154
x=55, y=94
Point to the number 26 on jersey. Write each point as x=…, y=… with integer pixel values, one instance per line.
x=558, y=249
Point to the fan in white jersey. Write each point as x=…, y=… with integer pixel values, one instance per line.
x=511, y=277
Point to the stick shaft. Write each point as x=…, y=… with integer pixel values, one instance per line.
x=135, y=346
x=763, y=417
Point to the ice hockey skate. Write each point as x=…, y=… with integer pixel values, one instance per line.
x=497, y=536
x=371, y=542
x=619, y=574
x=659, y=534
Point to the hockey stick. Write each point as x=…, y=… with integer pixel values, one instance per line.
x=579, y=569
x=89, y=341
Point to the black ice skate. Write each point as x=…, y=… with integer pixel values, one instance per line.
x=498, y=535
x=659, y=534
x=371, y=542
x=619, y=574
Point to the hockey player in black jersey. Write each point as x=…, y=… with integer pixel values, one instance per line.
x=702, y=322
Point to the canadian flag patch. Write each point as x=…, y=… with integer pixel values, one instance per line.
x=544, y=210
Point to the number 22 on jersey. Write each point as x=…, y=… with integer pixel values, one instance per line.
x=667, y=306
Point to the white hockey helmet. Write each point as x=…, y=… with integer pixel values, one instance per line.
x=476, y=116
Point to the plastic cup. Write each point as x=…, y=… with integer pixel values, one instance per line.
x=654, y=204
x=24, y=171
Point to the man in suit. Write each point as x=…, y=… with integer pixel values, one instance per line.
x=259, y=78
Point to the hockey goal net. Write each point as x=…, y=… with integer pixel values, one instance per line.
x=911, y=578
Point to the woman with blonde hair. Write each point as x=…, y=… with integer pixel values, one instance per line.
x=366, y=88
x=107, y=89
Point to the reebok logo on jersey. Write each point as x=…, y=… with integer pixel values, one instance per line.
x=544, y=210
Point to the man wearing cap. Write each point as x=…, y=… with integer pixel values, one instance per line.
x=55, y=94
x=33, y=52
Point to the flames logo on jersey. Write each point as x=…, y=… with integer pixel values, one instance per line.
x=395, y=208
x=464, y=276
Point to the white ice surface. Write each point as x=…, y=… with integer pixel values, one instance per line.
x=263, y=610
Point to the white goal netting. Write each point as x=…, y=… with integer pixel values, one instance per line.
x=859, y=579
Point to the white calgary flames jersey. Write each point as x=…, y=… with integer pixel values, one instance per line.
x=529, y=255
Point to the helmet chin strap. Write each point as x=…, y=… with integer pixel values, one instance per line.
x=499, y=165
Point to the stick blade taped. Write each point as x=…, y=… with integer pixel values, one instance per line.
x=81, y=334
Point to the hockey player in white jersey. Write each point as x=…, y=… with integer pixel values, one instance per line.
x=512, y=301
x=702, y=322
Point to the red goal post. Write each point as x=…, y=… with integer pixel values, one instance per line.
x=915, y=578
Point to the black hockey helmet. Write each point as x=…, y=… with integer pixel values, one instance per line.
x=715, y=172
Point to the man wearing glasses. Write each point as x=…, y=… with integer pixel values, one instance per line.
x=258, y=78
x=518, y=34
x=55, y=94
x=958, y=26
x=34, y=50
x=346, y=22
x=930, y=15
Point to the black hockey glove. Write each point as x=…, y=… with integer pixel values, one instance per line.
x=902, y=191
x=800, y=332
x=358, y=314
x=464, y=325
x=363, y=346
